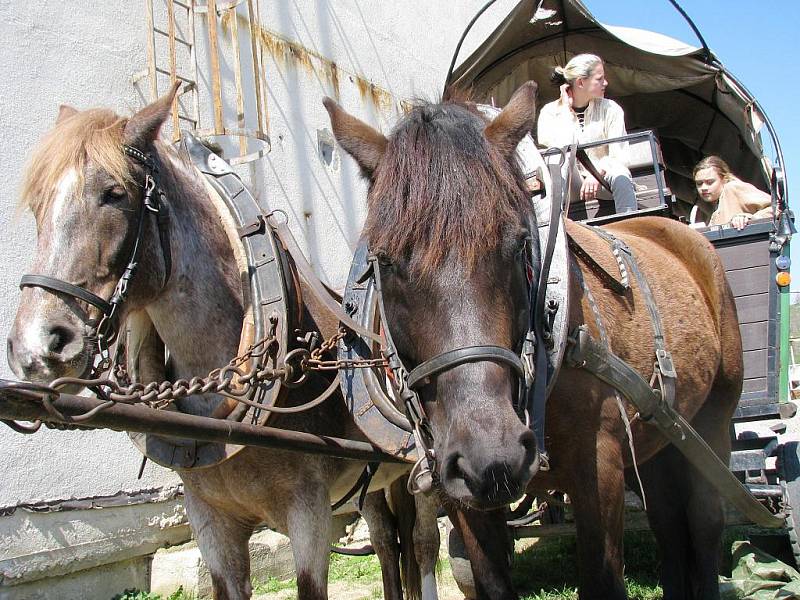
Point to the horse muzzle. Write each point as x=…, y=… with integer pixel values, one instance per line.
x=489, y=469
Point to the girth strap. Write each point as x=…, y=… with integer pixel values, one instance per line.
x=663, y=369
x=585, y=352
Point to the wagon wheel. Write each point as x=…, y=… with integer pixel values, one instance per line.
x=789, y=468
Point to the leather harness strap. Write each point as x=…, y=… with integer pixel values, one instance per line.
x=57, y=285
x=593, y=356
x=616, y=286
x=310, y=277
x=663, y=368
x=453, y=358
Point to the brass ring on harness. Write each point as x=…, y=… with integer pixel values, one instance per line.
x=296, y=362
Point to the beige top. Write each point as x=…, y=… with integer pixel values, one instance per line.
x=739, y=197
x=558, y=126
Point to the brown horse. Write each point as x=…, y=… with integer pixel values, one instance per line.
x=86, y=195
x=448, y=219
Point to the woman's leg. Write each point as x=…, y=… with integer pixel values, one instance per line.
x=622, y=191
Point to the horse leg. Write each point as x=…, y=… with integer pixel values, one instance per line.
x=223, y=544
x=426, y=542
x=308, y=523
x=665, y=493
x=383, y=536
x=686, y=514
x=486, y=542
x=598, y=499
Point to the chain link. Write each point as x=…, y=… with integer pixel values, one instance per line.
x=236, y=380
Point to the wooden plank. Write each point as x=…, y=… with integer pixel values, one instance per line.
x=755, y=363
x=756, y=384
x=745, y=282
x=754, y=335
x=193, y=62
x=173, y=68
x=216, y=86
x=254, y=45
x=151, y=52
x=237, y=72
x=753, y=308
x=744, y=256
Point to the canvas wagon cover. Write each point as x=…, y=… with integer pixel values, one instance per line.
x=679, y=91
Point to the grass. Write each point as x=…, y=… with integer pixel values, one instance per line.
x=134, y=594
x=540, y=574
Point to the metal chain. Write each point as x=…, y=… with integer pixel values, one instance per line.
x=233, y=380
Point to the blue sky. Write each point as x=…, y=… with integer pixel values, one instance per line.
x=759, y=42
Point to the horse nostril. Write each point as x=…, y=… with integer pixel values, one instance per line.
x=528, y=441
x=9, y=347
x=452, y=470
x=58, y=338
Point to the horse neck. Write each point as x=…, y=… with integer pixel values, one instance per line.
x=199, y=313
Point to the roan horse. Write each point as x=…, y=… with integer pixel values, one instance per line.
x=86, y=195
x=448, y=220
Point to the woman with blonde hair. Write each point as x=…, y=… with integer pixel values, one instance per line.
x=583, y=114
x=737, y=201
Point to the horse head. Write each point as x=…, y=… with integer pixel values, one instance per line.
x=449, y=221
x=87, y=185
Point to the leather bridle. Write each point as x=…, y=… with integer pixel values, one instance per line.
x=407, y=383
x=105, y=332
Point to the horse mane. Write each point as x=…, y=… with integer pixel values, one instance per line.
x=89, y=136
x=442, y=188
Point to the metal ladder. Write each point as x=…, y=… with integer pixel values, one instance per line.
x=159, y=34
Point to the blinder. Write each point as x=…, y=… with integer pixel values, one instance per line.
x=106, y=331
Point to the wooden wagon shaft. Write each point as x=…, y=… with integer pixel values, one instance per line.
x=17, y=405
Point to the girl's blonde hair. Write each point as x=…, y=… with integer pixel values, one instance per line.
x=716, y=163
x=579, y=66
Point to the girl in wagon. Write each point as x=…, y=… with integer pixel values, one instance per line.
x=737, y=201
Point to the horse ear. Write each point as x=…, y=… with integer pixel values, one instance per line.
x=143, y=127
x=362, y=142
x=65, y=111
x=516, y=119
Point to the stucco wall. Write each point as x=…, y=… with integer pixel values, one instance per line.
x=85, y=54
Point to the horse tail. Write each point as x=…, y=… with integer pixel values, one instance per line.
x=405, y=510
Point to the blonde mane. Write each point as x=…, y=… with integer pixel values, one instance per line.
x=92, y=136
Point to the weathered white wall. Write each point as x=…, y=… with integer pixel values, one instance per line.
x=84, y=54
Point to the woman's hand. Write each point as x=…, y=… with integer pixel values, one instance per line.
x=589, y=188
x=740, y=221
x=566, y=95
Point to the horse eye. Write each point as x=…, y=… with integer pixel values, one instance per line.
x=113, y=194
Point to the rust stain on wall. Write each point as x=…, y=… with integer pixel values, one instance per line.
x=291, y=53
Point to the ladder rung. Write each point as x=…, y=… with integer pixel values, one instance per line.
x=190, y=82
x=177, y=39
x=181, y=4
x=189, y=119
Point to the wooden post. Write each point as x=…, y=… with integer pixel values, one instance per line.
x=216, y=87
x=173, y=68
x=151, y=52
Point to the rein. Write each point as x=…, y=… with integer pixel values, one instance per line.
x=107, y=329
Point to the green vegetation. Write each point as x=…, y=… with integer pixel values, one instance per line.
x=272, y=585
x=547, y=570
x=134, y=594
x=356, y=569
